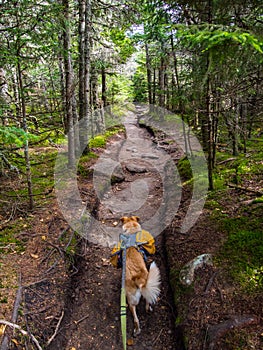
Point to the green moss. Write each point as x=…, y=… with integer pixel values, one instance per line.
x=83, y=164
x=184, y=168
x=98, y=141
x=243, y=252
x=8, y=239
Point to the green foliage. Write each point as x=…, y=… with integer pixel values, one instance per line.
x=212, y=38
x=119, y=89
x=139, y=87
x=10, y=135
x=123, y=43
x=244, y=252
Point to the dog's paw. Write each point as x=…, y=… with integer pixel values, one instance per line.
x=136, y=332
x=149, y=308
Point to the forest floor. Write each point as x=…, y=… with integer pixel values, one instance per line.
x=70, y=293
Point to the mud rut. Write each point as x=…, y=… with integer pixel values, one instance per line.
x=91, y=319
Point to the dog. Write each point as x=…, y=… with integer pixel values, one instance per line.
x=139, y=281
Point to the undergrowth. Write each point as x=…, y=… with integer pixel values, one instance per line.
x=242, y=252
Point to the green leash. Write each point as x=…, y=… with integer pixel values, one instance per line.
x=123, y=302
x=124, y=242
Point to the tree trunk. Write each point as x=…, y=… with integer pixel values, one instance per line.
x=85, y=126
x=161, y=83
x=68, y=85
x=62, y=87
x=24, y=126
x=209, y=96
x=103, y=86
x=81, y=57
x=149, y=74
x=175, y=80
x=154, y=87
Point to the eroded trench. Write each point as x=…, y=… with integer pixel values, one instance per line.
x=142, y=185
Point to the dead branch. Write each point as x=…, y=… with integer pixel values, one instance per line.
x=39, y=311
x=11, y=216
x=246, y=189
x=8, y=164
x=82, y=319
x=251, y=201
x=19, y=293
x=217, y=331
x=220, y=292
x=60, y=250
x=34, y=283
x=56, y=330
x=226, y=161
x=158, y=336
x=49, y=254
x=52, y=267
x=210, y=282
x=16, y=326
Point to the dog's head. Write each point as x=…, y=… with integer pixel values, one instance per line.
x=130, y=224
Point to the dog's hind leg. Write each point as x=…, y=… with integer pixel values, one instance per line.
x=137, y=329
x=133, y=301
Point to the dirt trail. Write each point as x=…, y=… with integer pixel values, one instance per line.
x=91, y=319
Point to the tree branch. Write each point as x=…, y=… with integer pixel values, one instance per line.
x=16, y=326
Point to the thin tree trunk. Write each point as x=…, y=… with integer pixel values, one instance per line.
x=81, y=57
x=209, y=109
x=175, y=79
x=154, y=87
x=85, y=126
x=161, y=83
x=103, y=87
x=69, y=86
x=24, y=126
x=63, y=88
x=149, y=74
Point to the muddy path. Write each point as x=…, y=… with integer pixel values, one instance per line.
x=91, y=319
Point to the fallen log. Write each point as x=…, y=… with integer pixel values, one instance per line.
x=217, y=331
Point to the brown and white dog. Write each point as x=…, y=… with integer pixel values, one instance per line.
x=139, y=281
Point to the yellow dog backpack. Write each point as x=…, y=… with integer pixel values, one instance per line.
x=143, y=241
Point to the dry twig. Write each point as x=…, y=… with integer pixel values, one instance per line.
x=16, y=326
x=57, y=328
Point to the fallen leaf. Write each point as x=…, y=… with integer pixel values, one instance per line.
x=44, y=238
x=34, y=256
x=130, y=342
x=2, y=329
x=15, y=341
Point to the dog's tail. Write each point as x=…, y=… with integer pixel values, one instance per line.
x=152, y=290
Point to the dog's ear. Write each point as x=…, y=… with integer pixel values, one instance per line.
x=136, y=218
x=124, y=219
